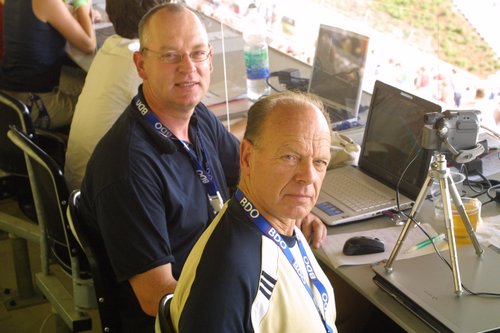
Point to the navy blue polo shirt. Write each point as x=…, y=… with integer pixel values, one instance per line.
x=141, y=194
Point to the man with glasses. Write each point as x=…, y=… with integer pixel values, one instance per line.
x=163, y=171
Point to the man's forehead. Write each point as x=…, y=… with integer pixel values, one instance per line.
x=174, y=33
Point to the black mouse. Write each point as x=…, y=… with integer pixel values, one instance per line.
x=362, y=245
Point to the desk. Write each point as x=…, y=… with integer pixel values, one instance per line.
x=360, y=277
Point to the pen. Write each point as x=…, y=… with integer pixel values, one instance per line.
x=425, y=243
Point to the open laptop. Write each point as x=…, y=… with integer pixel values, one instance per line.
x=390, y=142
x=425, y=286
x=337, y=73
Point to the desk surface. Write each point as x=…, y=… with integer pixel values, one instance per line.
x=360, y=277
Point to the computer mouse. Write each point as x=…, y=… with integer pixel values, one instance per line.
x=362, y=245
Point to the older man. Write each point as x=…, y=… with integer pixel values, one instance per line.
x=252, y=270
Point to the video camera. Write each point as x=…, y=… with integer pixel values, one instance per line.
x=454, y=131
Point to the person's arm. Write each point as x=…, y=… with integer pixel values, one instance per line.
x=150, y=286
x=77, y=29
x=313, y=228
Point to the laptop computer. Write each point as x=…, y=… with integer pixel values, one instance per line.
x=391, y=141
x=337, y=72
x=425, y=286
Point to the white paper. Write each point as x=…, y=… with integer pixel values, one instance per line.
x=333, y=245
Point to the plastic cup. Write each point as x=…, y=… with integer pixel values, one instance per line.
x=458, y=179
x=473, y=209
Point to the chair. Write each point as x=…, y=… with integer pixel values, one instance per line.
x=102, y=273
x=14, y=182
x=50, y=194
x=14, y=112
x=163, y=319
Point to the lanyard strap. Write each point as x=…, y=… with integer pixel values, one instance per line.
x=203, y=172
x=269, y=231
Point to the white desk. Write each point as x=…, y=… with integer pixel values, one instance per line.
x=360, y=277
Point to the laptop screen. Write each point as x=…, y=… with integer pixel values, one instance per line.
x=393, y=138
x=337, y=73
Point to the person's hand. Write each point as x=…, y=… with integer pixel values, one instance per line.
x=313, y=229
x=95, y=14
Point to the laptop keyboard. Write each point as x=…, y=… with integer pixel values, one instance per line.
x=349, y=185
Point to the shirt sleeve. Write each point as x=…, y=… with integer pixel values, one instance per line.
x=132, y=221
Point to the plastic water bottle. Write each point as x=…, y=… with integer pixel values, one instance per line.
x=256, y=54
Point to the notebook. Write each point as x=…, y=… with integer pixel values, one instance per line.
x=425, y=286
x=391, y=140
x=337, y=73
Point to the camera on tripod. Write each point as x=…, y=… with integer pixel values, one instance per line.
x=455, y=131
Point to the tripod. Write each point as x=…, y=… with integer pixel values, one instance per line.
x=441, y=172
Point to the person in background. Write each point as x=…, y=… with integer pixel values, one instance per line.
x=252, y=269
x=110, y=85
x=488, y=109
x=162, y=172
x=33, y=69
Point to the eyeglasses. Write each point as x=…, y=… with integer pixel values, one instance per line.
x=174, y=57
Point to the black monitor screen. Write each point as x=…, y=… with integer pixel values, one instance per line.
x=393, y=136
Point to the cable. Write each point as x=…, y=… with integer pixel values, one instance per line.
x=493, y=132
x=417, y=153
x=269, y=83
x=289, y=77
x=44, y=322
x=436, y=250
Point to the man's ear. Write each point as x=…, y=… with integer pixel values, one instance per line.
x=139, y=64
x=246, y=153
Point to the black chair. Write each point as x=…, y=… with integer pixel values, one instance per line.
x=15, y=183
x=102, y=273
x=163, y=318
x=57, y=243
x=14, y=112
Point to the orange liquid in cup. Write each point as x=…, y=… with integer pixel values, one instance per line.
x=472, y=208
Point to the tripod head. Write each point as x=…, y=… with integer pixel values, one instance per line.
x=455, y=131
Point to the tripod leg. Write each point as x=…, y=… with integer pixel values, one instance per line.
x=415, y=209
x=444, y=180
x=465, y=218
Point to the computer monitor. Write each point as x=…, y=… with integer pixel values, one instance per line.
x=337, y=73
x=396, y=119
